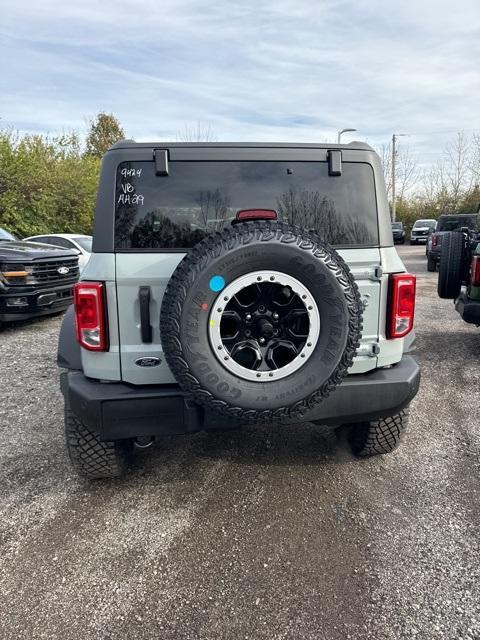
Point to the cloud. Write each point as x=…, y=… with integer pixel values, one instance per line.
x=274, y=70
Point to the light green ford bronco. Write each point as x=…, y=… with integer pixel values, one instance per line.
x=235, y=284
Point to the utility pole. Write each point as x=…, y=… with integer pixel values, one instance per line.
x=394, y=156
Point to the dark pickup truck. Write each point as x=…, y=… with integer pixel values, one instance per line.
x=35, y=279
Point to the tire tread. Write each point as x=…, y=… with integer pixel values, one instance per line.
x=451, y=265
x=378, y=436
x=193, y=264
x=90, y=456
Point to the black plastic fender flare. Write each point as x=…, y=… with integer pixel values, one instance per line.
x=69, y=355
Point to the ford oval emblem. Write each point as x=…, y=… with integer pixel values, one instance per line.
x=63, y=270
x=151, y=361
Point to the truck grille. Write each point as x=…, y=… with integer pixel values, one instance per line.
x=44, y=273
x=50, y=271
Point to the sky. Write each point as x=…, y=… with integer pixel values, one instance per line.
x=273, y=70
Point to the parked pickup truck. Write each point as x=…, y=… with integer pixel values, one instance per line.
x=447, y=223
x=421, y=230
x=35, y=279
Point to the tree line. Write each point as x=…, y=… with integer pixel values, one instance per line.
x=48, y=184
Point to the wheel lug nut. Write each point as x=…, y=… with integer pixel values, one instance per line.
x=261, y=308
x=262, y=340
x=248, y=317
x=275, y=315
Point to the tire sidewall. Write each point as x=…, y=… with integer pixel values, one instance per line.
x=325, y=276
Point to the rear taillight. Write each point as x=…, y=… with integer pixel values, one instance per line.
x=434, y=240
x=475, y=272
x=90, y=314
x=401, y=304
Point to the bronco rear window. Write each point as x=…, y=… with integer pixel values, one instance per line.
x=197, y=198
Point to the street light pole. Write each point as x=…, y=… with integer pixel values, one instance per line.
x=339, y=133
x=394, y=155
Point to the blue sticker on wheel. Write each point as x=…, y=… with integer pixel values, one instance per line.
x=217, y=283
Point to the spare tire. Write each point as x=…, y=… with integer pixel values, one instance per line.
x=261, y=321
x=452, y=265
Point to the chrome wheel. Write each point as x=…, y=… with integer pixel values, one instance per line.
x=264, y=326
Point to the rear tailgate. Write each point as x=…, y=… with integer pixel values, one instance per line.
x=153, y=270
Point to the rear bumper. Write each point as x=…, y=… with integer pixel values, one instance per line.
x=118, y=410
x=39, y=302
x=468, y=309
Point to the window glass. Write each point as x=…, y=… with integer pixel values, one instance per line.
x=42, y=239
x=196, y=198
x=85, y=242
x=424, y=223
x=452, y=223
x=60, y=242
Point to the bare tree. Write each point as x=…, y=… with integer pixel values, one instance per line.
x=200, y=132
x=475, y=158
x=456, y=174
x=450, y=180
x=406, y=170
x=385, y=153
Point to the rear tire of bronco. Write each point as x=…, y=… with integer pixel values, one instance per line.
x=91, y=457
x=431, y=264
x=451, y=271
x=241, y=317
x=379, y=436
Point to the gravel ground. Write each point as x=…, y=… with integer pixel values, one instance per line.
x=262, y=533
